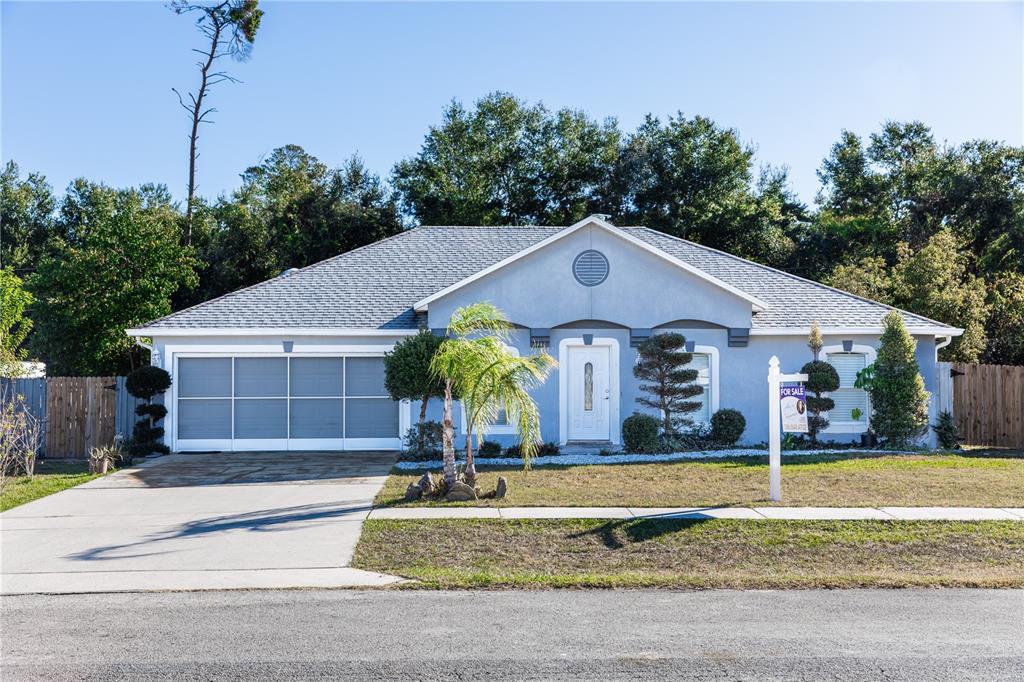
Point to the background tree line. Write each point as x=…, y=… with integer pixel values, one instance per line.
x=932, y=228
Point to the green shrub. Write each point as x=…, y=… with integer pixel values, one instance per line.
x=947, y=431
x=423, y=441
x=489, y=448
x=147, y=382
x=899, y=401
x=640, y=433
x=548, y=450
x=543, y=450
x=727, y=426
x=154, y=410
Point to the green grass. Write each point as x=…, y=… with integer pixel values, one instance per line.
x=968, y=479
x=51, y=477
x=677, y=553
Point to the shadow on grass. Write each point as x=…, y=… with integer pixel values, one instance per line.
x=635, y=531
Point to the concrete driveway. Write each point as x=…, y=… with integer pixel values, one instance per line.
x=227, y=520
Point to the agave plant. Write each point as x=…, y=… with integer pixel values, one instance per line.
x=476, y=365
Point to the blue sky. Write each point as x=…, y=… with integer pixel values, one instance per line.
x=86, y=86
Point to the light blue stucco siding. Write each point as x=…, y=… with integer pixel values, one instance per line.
x=642, y=290
x=742, y=380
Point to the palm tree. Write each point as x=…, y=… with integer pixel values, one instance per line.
x=475, y=364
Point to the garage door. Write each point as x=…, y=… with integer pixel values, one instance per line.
x=283, y=403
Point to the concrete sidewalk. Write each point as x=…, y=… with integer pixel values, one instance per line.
x=753, y=513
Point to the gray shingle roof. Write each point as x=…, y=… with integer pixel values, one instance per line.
x=375, y=287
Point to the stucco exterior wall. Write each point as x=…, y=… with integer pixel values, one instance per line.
x=742, y=380
x=642, y=290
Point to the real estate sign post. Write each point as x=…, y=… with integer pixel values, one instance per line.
x=780, y=400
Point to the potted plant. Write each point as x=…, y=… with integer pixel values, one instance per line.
x=101, y=458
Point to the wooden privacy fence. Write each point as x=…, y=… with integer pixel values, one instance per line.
x=80, y=414
x=77, y=413
x=988, y=404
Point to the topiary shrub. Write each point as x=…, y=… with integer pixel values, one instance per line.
x=821, y=378
x=640, y=433
x=727, y=426
x=154, y=410
x=147, y=383
x=489, y=448
x=947, y=431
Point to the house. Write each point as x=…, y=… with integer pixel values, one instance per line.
x=296, y=362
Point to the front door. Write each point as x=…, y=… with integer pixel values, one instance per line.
x=588, y=395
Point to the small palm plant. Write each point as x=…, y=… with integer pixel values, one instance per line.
x=475, y=365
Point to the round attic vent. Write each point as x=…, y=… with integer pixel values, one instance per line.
x=590, y=268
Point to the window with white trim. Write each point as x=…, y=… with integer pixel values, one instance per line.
x=848, y=397
x=702, y=363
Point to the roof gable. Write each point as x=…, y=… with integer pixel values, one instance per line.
x=591, y=221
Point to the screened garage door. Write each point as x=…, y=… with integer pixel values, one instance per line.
x=284, y=403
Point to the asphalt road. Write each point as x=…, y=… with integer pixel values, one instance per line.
x=797, y=635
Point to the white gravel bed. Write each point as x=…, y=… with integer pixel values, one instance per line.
x=578, y=460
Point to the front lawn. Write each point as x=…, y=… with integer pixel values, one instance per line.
x=695, y=554
x=857, y=480
x=52, y=476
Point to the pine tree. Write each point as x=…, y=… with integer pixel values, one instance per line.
x=663, y=361
x=899, y=401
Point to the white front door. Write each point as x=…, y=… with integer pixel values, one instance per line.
x=589, y=394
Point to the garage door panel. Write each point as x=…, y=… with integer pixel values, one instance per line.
x=204, y=378
x=364, y=377
x=261, y=377
x=204, y=419
x=317, y=377
x=261, y=418
x=317, y=418
x=371, y=418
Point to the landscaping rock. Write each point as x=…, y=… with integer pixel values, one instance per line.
x=460, y=492
x=413, y=492
x=502, y=488
x=426, y=484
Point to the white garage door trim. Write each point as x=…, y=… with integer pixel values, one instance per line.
x=278, y=444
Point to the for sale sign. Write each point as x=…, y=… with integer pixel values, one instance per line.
x=794, y=408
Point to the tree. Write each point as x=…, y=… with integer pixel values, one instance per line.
x=506, y=162
x=26, y=218
x=14, y=325
x=117, y=267
x=1006, y=322
x=230, y=28
x=407, y=374
x=868, y=278
x=662, y=362
x=899, y=401
x=935, y=282
x=904, y=187
x=694, y=179
x=475, y=364
x=291, y=211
